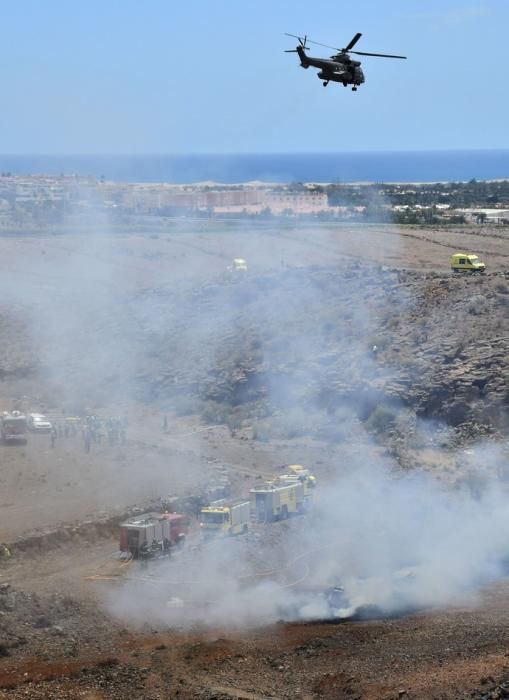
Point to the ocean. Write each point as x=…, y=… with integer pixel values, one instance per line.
x=418, y=166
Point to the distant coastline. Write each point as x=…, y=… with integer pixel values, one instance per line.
x=41, y=200
x=377, y=167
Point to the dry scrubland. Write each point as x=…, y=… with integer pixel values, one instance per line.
x=341, y=346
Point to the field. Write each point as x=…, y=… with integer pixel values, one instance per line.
x=350, y=349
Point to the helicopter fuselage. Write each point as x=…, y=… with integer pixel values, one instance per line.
x=339, y=69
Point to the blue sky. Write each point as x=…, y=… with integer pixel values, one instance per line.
x=211, y=76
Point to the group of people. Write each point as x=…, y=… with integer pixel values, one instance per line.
x=92, y=430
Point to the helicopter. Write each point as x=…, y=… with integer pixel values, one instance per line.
x=340, y=67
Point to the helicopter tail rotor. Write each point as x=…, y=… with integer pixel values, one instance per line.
x=302, y=43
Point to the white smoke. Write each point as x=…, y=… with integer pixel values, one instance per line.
x=393, y=542
x=387, y=540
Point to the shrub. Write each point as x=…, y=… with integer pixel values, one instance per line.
x=380, y=420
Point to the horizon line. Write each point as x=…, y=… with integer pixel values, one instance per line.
x=252, y=153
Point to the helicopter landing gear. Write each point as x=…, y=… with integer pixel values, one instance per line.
x=325, y=83
x=354, y=89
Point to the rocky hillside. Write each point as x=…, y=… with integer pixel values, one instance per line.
x=305, y=351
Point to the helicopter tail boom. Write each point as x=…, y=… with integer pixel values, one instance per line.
x=304, y=62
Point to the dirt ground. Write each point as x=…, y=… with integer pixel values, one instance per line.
x=57, y=639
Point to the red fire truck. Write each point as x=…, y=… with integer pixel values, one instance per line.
x=152, y=534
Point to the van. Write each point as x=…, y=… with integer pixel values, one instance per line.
x=466, y=262
x=38, y=423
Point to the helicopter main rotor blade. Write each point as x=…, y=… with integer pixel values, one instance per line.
x=291, y=51
x=335, y=48
x=347, y=49
x=353, y=42
x=381, y=55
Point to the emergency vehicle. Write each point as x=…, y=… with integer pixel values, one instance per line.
x=14, y=427
x=153, y=533
x=278, y=500
x=225, y=518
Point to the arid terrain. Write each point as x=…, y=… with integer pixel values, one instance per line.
x=350, y=349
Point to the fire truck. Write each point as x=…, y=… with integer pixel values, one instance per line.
x=307, y=480
x=277, y=500
x=153, y=534
x=14, y=427
x=225, y=518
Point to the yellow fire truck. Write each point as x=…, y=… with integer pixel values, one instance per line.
x=295, y=468
x=307, y=480
x=278, y=500
x=225, y=518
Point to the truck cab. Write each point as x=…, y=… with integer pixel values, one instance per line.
x=225, y=518
x=467, y=262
